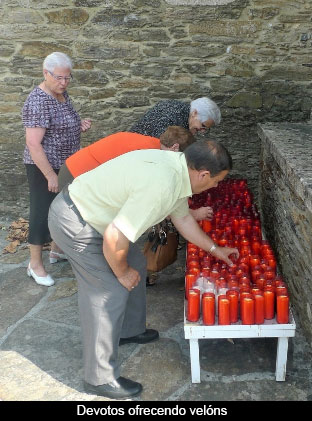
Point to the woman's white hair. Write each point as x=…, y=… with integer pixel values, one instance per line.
x=206, y=110
x=57, y=59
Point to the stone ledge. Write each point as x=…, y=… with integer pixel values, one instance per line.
x=290, y=145
x=286, y=208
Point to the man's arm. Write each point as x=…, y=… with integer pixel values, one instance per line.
x=115, y=250
x=205, y=212
x=189, y=228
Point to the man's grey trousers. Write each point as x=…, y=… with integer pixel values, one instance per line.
x=107, y=310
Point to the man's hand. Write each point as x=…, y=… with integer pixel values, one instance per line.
x=223, y=253
x=115, y=250
x=202, y=213
x=130, y=279
x=190, y=230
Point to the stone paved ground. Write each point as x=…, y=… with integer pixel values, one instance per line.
x=41, y=352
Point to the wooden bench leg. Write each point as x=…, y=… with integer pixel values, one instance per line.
x=195, y=366
x=281, y=359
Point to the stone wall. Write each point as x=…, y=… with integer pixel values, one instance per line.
x=286, y=205
x=247, y=55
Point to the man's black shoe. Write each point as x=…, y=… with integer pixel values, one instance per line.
x=120, y=388
x=149, y=335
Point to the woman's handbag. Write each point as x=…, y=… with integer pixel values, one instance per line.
x=160, y=249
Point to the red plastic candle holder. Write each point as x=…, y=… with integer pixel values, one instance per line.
x=193, y=305
x=282, y=309
x=190, y=280
x=233, y=297
x=223, y=310
x=269, y=298
x=248, y=310
x=208, y=308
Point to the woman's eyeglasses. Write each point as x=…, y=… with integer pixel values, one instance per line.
x=60, y=78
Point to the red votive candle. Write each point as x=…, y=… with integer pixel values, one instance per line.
x=232, y=283
x=245, y=251
x=233, y=297
x=268, y=285
x=232, y=269
x=192, y=247
x=248, y=310
x=256, y=247
x=263, y=264
x=243, y=259
x=260, y=281
x=192, y=253
x=242, y=231
x=256, y=230
x=235, y=225
x=195, y=271
x=281, y=290
x=244, y=267
x=255, y=273
x=190, y=279
x=205, y=272
x=223, y=242
x=206, y=225
x=242, y=295
x=224, y=272
x=244, y=288
x=207, y=260
x=244, y=241
x=255, y=290
x=265, y=246
x=244, y=279
x=193, y=305
x=259, y=308
x=202, y=254
x=269, y=298
x=254, y=260
x=214, y=274
x=282, y=309
x=208, y=308
x=192, y=263
x=271, y=262
x=270, y=274
x=278, y=282
x=223, y=310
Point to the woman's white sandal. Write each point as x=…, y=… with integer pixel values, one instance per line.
x=59, y=256
x=46, y=281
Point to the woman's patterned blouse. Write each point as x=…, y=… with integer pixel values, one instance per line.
x=62, y=124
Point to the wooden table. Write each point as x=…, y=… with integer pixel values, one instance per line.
x=270, y=329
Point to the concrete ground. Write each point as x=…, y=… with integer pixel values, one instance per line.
x=41, y=350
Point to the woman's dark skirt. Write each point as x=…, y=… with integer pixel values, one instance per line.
x=40, y=201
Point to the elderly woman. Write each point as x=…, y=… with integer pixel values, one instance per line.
x=53, y=130
x=197, y=116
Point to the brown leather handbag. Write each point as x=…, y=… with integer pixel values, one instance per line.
x=161, y=247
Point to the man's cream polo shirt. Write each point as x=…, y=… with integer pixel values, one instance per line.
x=135, y=191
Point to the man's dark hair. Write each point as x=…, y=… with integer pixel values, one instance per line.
x=208, y=155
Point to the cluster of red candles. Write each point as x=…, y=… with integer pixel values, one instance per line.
x=250, y=291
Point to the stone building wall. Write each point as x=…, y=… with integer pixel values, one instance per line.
x=247, y=55
x=286, y=204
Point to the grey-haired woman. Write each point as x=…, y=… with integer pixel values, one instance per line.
x=53, y=129
x=196, y=116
